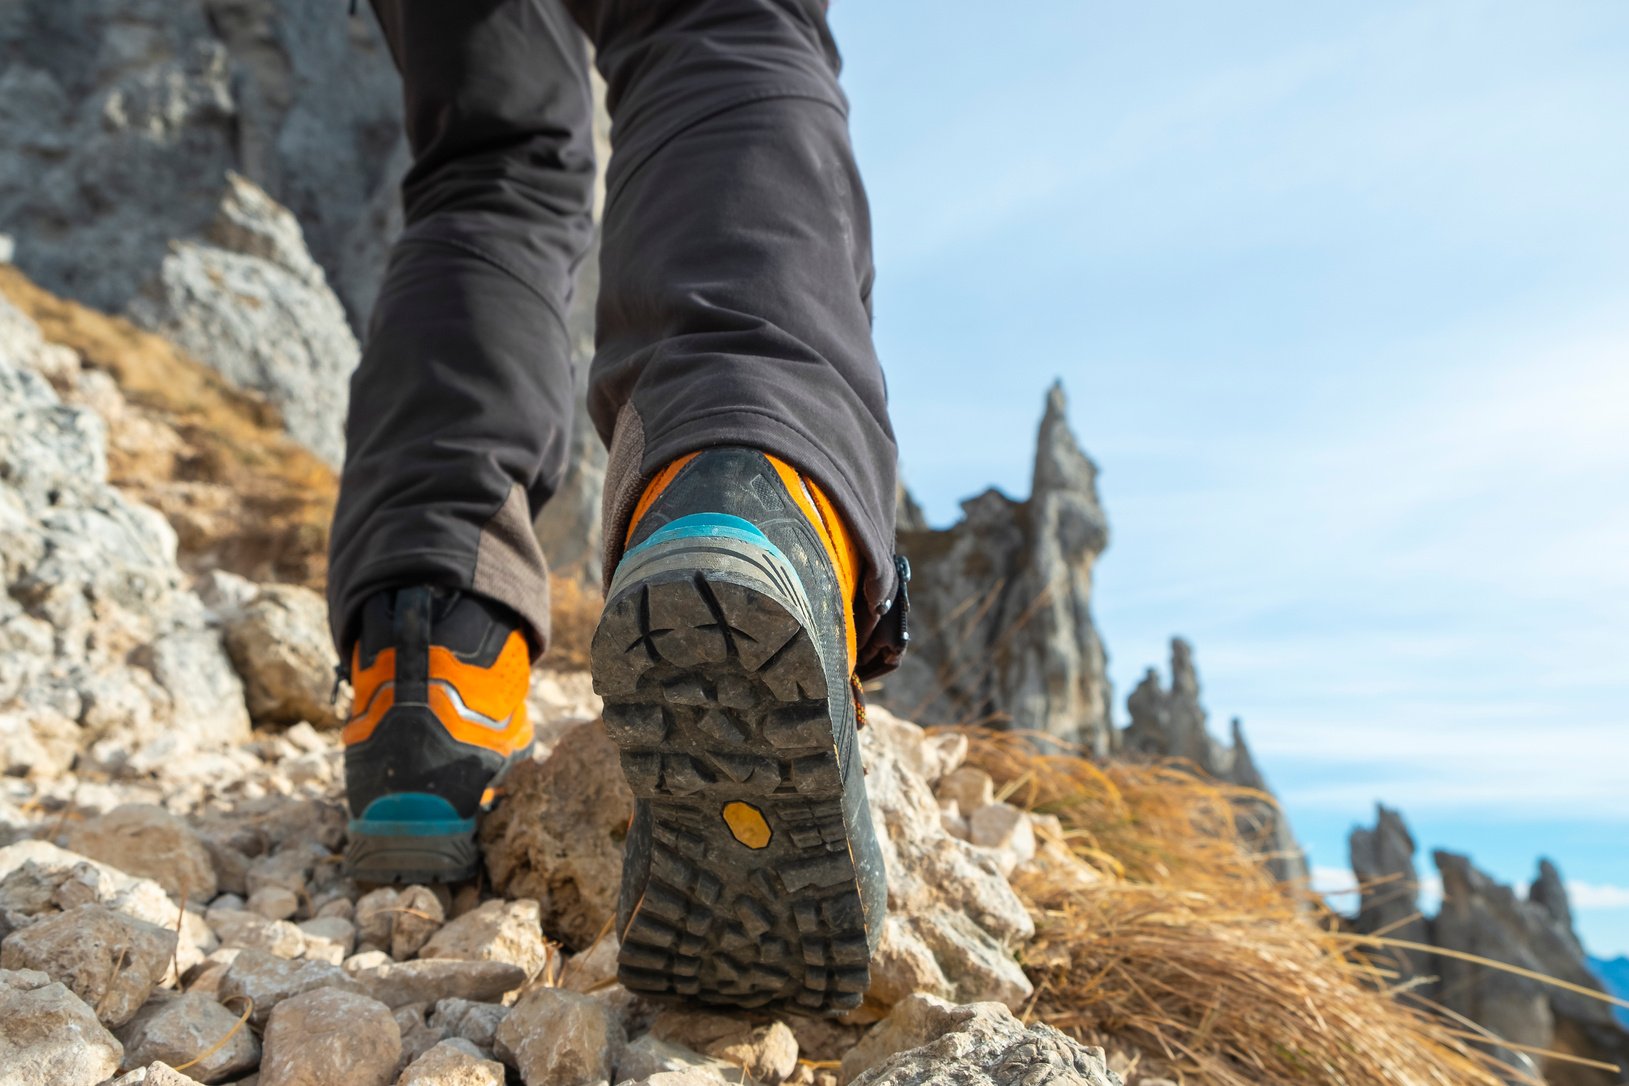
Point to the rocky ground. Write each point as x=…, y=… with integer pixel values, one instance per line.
x=223, y=174
x=171, y=894
x=199, y=919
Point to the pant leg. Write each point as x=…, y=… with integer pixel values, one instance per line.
x=736, y=265
x=461, y=407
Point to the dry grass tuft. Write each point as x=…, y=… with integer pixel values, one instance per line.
x=1159, y=930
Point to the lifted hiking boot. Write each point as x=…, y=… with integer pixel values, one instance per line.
x=751, y=874
x=440, y=711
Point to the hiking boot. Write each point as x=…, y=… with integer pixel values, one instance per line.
x=441, y=679
x=751, y=873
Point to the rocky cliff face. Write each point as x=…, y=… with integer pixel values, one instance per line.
x=1001, y=604
x=1483, y=919
x=121, y=120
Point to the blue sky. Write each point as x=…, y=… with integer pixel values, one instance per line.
x=1340, y=294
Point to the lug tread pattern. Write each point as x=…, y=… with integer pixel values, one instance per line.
x=715, y=693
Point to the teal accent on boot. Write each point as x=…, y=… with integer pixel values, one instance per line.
x=709, y=526
x=410, y=814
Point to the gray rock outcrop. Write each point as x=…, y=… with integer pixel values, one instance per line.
x=248, y=299
x=1484, y=919
x=119, y=121
x=1383, y=862
x=1171, y=723
x=1002, y=631
x=1481, y=917
x=102, y=648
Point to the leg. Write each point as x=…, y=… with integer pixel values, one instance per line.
x=734, y=326
x=737, y=245
x=461, y=407
x=459, y=427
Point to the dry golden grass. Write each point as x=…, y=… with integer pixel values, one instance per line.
x=241, y=494
x=1166, y=935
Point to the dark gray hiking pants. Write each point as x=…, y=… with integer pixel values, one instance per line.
x=735, y=291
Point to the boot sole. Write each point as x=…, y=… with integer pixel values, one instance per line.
x=411, y=858
x=717, y=695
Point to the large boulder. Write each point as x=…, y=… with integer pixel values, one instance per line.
x=1482, y=918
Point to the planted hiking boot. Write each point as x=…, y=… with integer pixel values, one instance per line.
x=440, y=712
x=751, y=873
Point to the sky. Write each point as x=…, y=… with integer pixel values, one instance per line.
x=1340, y=297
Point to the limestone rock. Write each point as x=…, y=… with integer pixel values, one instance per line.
x=110, y=960
x=474, y=1022
x=101, y=646
x=595, y=968
x=691, y=1076
x=1001, y=622
x=648, y=1056
x=269, y=980
x=38, y=877
x=1005, y=831
x=281, y=646
x=418, y=915
x=50, y=1036
x=452, y=1063
x=927, y=1040
x=418, y=1035
x=953, y=921
x=496, y=930
x=123, y=122
x=559, y=1038
x=1481, y=917
x=767, y=1052
x=157, y=1073
x=327, y=939
x=329, y=1037
x=423, y=981
x=242, y=928
x=175, y=1029
x=968, y=786
x=248, y=300
x=376, y=917
x=274, y=902
x=149, y=842
x=363, y=960
x=558, y=837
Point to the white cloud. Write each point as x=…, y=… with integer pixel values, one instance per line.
x=1593, y=895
